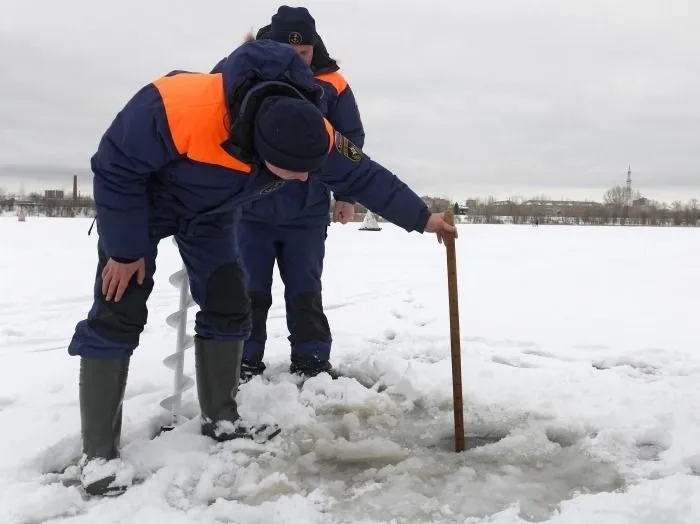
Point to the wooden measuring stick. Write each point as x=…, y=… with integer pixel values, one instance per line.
x=455, y=348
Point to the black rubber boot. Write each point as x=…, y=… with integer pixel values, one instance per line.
x=310, y=367
x=102, y=384
x=218, y=370
x=251, y=369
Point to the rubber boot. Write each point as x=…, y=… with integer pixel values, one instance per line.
x=250, y=370
x=218, y=371
x=102, y=384
x=308, y=367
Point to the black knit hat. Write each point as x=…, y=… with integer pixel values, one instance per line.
x=290, y=133
x=293, y=25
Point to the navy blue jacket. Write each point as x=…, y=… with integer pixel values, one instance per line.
x=307, y=203
x=177, y=157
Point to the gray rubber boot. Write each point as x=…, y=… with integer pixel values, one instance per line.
x=102, y=384
x=218, y=370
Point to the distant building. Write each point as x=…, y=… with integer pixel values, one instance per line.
x=640, y=202
x=459, y=210
x=57, y=194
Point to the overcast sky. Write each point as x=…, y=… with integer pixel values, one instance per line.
x=459, y=98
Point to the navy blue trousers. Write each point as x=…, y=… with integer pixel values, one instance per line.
x=299, y=253
x=112, y=329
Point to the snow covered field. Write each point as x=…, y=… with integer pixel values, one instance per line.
x=580, y=364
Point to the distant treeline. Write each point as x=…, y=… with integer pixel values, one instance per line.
x=617, y=208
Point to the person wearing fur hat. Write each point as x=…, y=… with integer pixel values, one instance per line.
x=291, y=226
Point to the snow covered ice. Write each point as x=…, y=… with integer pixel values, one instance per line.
x=580, y=368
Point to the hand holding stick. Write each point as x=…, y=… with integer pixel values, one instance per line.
x=449, y=240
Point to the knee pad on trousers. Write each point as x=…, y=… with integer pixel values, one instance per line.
x=309, y=320
x=226, y=307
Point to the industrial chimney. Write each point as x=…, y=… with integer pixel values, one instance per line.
x=75, y=190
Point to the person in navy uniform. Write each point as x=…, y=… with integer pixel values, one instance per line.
x=290, y=227
x=182, y=157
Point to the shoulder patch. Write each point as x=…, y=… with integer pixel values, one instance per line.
x=346, y=148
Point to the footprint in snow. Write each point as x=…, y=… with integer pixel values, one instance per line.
x=540, y=353
x=512, y=362
x=626, y=362
x=652, y=444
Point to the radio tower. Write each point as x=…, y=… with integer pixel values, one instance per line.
x=628, y=187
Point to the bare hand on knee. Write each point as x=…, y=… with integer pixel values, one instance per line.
x=116, y=277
